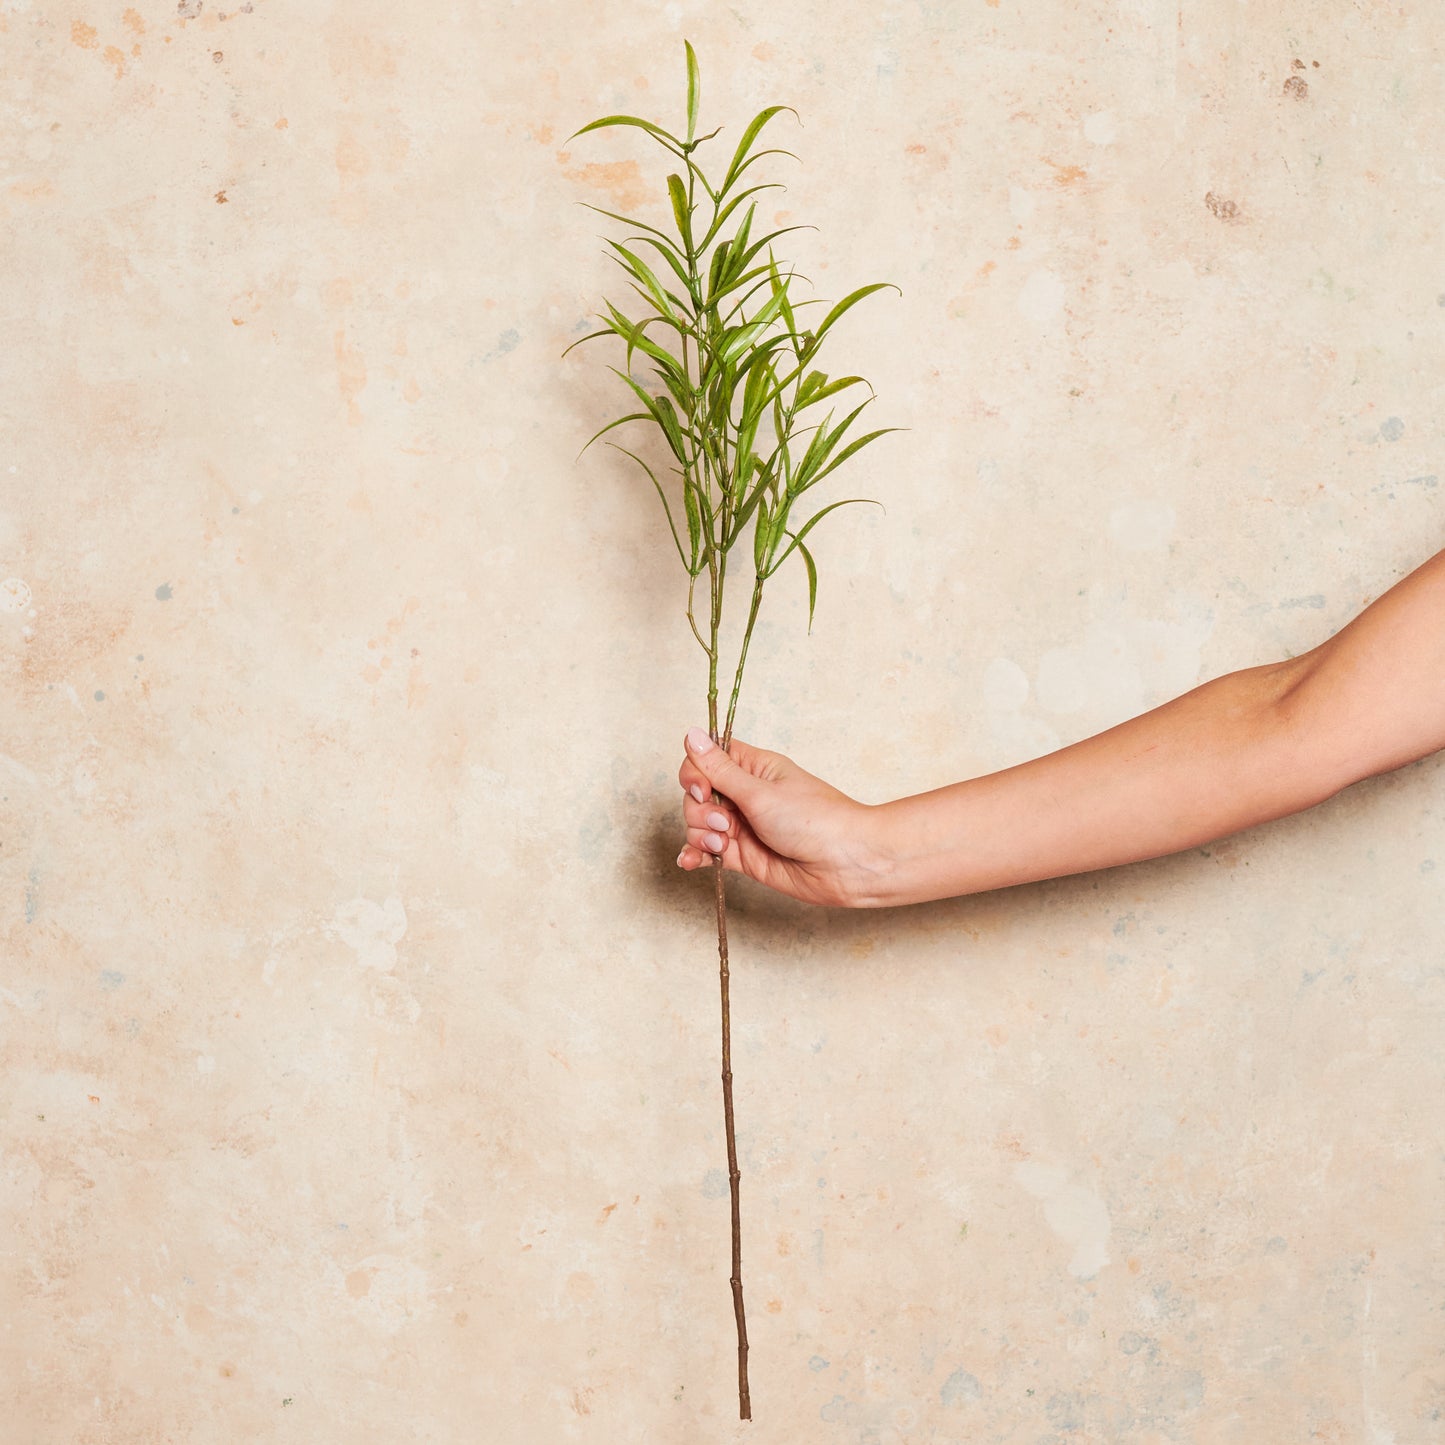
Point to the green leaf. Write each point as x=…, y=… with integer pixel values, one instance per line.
x=831, y=388
x=680, y=211
x=669, y=254
x=813, y=522
x=662, y=497
x=670, y=426
x=749, y=136
x=660, y=409
x=740, y=518
x=715, y=271
x=762, y=535
x=817, y=453
x=739, y=339
x=655, y=131
x=692, y=92
x=851, y=448
x=810, y=383
x=758, y=155
x=633, y=416
x=848, y=301
x=732, y=205
x=812, y=582
x=635, y=334
x=626, y=220
x=694, y=520
x=717, y=365
x=759, y=373
x=591, y=336
x=780, y=287
x=745, y=258
x=740, y=237
x=644, y=273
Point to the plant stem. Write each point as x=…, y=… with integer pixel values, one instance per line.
x=727, y=736
x=745, y=1404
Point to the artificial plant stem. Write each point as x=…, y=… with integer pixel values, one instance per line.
x=712, y=649
x=745, y=1404
x=727, y=736
x=716, y=570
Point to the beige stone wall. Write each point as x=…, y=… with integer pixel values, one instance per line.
x=359, y=1041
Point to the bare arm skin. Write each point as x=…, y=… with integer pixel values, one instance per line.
x=1243, y=749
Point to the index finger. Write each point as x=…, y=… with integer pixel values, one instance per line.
x=694, y=780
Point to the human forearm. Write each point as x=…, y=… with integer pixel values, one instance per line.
x=1209, y=763
x=1243, y=749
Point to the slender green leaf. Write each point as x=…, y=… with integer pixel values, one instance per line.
x=661, y=496
x=750, y=504
x=745, y=258
x=655, y=131
x=749, y=136
x=636, y=337
x=813, y=522
x=626, y=220
x=668, y=417
x=850, y=300
x=810, y=383
x=738, y=340
x=715, y=363
x=851, y=448
x=680, y=388
x=740, y=237
x=831, y=388
x=732, y=205
x=644, y=273
x=780, y=288
x=715, y=271
x=762, y=536
x=660, y=409
x=692, y=91
x=818, y=449
x=747, y=295
x=591, y=336
x=634, y=416
x=681, y=212
x=669, y=254
x=812, y=582
x=757, y=156
x=694, y=519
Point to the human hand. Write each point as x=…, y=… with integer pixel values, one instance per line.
x=775, y=823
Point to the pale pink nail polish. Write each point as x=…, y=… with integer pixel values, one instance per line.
x=718, y=821
x=697, y=792
x=712, y=842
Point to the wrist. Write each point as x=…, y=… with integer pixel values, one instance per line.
x=872, y=875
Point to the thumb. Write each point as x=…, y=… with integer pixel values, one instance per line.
x=720, y=770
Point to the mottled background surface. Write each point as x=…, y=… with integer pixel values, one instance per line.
x=359, y=1042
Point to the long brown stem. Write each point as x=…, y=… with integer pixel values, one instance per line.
x=717, y=573
x=745, y=1404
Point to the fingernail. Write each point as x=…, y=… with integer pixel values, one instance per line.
x=697, y=793
x=718, y=821
x=679, y=858
x=698, y=741
x=712, y=842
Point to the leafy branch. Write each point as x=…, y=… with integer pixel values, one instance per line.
x=733, y=390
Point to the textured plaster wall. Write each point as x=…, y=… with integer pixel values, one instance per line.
x=359, y=1038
